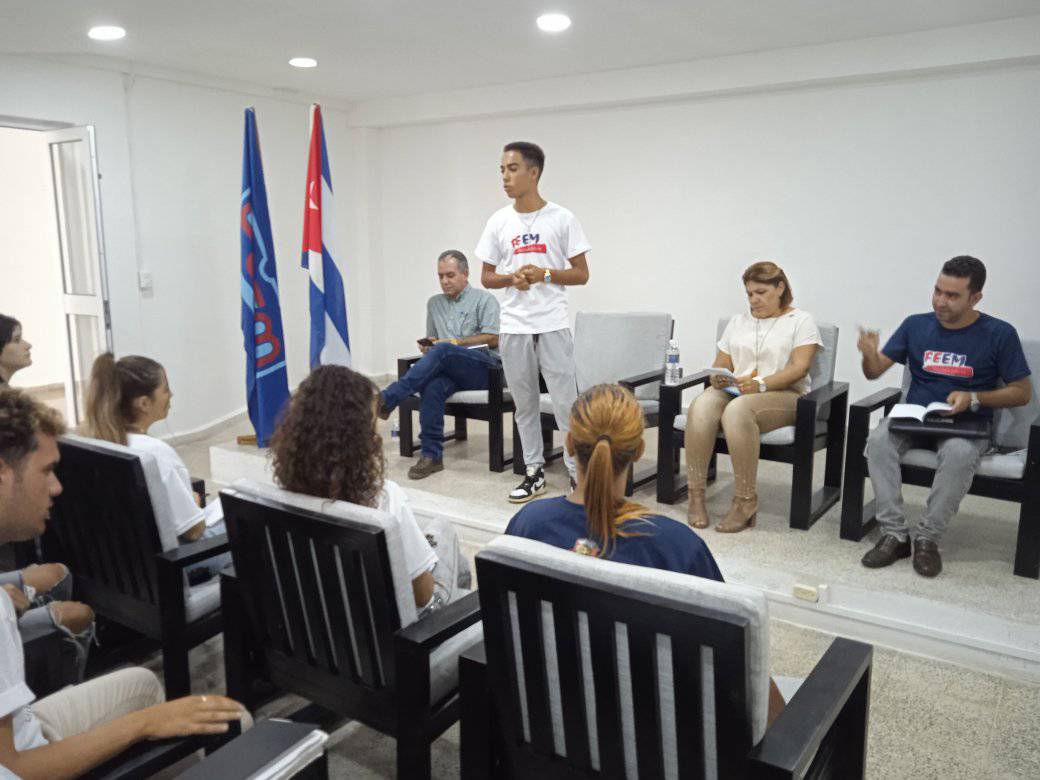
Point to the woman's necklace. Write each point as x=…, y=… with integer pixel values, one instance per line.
x=760, y=342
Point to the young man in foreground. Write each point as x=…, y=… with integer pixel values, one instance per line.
x=79, y=727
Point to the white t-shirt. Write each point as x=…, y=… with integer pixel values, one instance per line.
x=176, y=480
x=770, y=342
x=419, y=557
x=15, y=695
x=549, y=239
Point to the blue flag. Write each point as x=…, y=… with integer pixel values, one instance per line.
x=267, y=384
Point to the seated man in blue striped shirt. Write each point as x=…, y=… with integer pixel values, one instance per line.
x=461, y=344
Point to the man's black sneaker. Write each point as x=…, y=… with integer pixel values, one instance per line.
x=927, y=561
x=533, y=485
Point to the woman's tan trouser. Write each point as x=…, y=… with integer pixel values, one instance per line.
x=743, y=420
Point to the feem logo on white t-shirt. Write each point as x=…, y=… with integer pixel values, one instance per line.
x=548, y=238
x=527, y=243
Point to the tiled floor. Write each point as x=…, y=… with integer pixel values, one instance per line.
x=928, y=719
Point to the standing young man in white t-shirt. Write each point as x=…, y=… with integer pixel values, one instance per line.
x=534, y=249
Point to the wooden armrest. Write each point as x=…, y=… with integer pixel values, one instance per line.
x=194, y=552
x=252, y=751
x=825, y=393
x=886, y=398
x=424, y=635
x=633, y=382
x=403, y=364
x=791, y=743
x=699, y=378
x=147, y=758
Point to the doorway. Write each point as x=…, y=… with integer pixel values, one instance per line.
x=52, y=261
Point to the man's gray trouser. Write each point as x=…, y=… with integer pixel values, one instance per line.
x=958, y=460
x=523, y=355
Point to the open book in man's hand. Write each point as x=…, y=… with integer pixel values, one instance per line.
x=918, y=412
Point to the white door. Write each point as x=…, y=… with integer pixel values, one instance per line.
x=77, y=202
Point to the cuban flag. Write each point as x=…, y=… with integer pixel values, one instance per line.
x=267, y=384
x=329, y=340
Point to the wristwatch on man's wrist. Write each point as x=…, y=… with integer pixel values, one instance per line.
x=975, y=404
x=548, y=276
x=761, y=384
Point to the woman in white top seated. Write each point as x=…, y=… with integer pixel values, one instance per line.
x=770, y=348
x=126, y=397
x=327, y=445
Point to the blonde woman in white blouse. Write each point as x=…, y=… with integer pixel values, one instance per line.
x=770, y=348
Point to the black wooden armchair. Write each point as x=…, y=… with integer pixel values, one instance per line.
x=819, y=425
x=491, y=406
x=108, y=526
x=595, y=669
x=1011, y=472
x=319, y=605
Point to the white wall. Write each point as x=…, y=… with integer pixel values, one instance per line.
x=859, y=189
x=859, y=166
x=171, y=160
x=30, y=264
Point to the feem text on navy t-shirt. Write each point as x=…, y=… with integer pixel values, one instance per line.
x=662, y=543
x=942, y=360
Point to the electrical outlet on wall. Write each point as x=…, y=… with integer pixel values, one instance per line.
x=144, y=280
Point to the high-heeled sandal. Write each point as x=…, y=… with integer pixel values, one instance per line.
x=739, y=518
x=697, y=512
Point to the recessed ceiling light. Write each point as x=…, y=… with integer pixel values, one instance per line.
x=553, y=22
x=303, y=62
x=106, y=32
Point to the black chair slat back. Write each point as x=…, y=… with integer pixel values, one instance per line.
x=632, y=638
x=102, y=525
x=317, y=592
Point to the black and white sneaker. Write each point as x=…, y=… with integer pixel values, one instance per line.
x=533, y=485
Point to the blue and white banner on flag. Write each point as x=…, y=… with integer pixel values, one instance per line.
x=328, y=302
x=267, y=384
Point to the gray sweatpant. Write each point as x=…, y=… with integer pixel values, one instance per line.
x=523, y=354
x=958, y=460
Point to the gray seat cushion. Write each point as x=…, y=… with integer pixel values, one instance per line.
x=444, y=660
x=1007, y=466
x=202, y=599
x=475, y=396
x=780, y=436
x=748, y=603
x=650, y=406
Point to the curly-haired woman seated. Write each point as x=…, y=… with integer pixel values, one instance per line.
x=770, y=349
x=327, y=446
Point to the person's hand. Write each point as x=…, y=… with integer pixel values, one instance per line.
x=520, y=281
x=960, y=401
x=207, y=714
x=868, y=342
x=720, y=382
x=18, y=598
x=532, y=273
x=747, y=384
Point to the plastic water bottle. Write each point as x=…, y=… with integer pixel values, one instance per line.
x=395, y=428
x=672, y=369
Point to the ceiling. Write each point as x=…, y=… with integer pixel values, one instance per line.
x=378, y=48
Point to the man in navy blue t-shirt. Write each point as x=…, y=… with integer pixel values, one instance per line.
x=958, y=356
